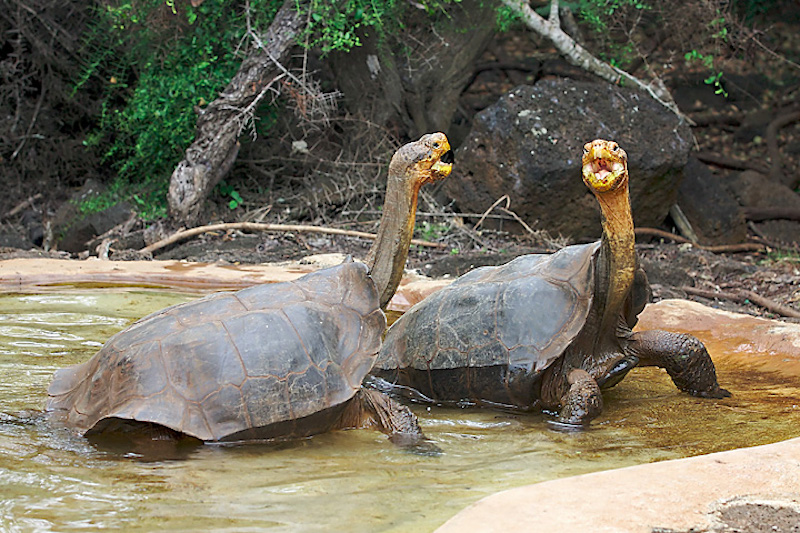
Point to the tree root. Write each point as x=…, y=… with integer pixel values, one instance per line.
x=254, y=226
x=721, y=248
x=743, y=296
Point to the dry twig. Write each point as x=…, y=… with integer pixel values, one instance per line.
x=22, y=205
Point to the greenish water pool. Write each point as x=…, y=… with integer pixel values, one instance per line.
x=357, y=481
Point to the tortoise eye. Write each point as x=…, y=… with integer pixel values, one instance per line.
x=614, y=147
x=436, y=145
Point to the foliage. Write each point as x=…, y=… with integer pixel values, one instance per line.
x=333, y=25
x=698, y=31
x=506, y=18
x=708, y=62
x=432, y=231
x=226, y=190
x=159, y=60
x=598, y=13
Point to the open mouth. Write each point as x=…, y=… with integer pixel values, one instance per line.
x=444, y=165
x=603, y=173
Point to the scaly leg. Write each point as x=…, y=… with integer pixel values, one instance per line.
x=684, y=358
x=372, y=408
x=582, y=402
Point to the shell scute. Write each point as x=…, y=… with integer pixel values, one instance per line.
x=204, y=374
x=268, y=344
x=266, y=400
x=307, y=392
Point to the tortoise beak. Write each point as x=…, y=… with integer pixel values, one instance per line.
x=444, y=166
x=602, y=171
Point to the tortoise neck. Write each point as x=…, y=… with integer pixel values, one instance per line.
x=618, y=246
x=387, y=256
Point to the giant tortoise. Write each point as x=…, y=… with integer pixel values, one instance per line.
x=546, y=331
x=271, y=361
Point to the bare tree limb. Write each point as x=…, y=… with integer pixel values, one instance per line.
x=220, y=124
x=741, y=296
x=254, y=226
x=722, y=161
x=22, y=205
x=581, y=57
x=757, y=214
x=720, y=248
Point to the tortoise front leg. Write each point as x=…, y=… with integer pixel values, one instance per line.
x=372, y=408
x=582, y=402
x=684, y=358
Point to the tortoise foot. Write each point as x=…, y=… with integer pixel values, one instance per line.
x=717, y=393
x=583, y=402
x=416, y=444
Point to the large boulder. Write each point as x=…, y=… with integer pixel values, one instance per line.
x=528, y=145
x=712, y=210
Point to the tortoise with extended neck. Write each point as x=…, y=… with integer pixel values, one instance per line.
x=546, y=331
x=272, y=361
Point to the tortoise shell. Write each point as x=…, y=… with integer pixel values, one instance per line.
x=448, y=347
x=268, y=361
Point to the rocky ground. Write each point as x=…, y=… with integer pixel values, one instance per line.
x=674, y=270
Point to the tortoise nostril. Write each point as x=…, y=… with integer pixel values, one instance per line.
x=448, y=157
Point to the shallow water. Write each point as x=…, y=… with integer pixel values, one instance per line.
x=343, y=481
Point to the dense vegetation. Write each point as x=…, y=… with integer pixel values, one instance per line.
x=141, y=68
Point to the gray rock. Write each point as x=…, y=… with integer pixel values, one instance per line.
x=710, y=207
x=755, y=190
x=72, y=228
x=529, y=144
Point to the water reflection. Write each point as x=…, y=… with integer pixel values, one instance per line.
x=347, y=480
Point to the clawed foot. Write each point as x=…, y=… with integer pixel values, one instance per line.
x=583, y=401
x=716, y=392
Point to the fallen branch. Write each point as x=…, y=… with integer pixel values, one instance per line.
x=719, y=248
x=23, y=205
x=757, y=214
x=254, y=226
x=714, y=118
x=722, y=161
x=743, y=296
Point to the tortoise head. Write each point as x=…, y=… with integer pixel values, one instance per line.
x=605, y=166
x=423, y=161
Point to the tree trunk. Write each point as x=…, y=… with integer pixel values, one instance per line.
x=415, y=78
x=219, y=125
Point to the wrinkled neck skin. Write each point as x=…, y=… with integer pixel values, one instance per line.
x=387, y=256
x=617, y=251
